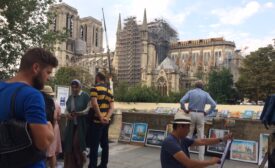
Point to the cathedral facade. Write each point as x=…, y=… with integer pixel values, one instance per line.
x=84, y=46
x=151, y=54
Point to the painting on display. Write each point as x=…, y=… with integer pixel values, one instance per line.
x=155, y=137
x=139, y=132
x=62, y=95
x=126, y=132
x=217, y=133
x=166, y=110
x=248, y=114
x=263, y=146
x=246, y=151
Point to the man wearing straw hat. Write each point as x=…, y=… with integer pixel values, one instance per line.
x=174, y=150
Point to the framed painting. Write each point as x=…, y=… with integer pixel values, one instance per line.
x=246, y=151
x=139, y=132
x=263, y=147
x=155, y=137
x=126, y=132
x=217, y=133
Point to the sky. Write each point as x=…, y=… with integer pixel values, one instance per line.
x=249, y=23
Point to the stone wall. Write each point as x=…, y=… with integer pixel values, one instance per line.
x=152, y=106
x=242, y=129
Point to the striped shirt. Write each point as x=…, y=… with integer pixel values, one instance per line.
x=104, y=96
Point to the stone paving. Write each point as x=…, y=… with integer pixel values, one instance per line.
x=132, y=156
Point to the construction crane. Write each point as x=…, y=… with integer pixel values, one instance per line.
x=108, y=52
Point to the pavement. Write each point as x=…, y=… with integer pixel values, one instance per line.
x=132, y=156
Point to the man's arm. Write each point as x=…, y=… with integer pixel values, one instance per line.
x=42, y=135
x=96, y=107
x=183, y=100
x=190, y=163
x=211, y=102
x=110, y=111
x=41, y=131
x=211, y=141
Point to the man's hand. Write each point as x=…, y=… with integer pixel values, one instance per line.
x=227, y=137
x=69, y=116
x=103, y=120
x=215, y=160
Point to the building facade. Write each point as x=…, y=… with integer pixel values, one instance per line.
x=84, y=46
x=140, y=48
x=150, y=54
x=196, y=58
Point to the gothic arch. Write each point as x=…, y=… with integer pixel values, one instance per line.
x=162, y=86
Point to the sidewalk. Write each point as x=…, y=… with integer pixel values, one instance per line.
x=131, y=156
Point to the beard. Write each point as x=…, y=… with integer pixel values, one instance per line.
x=37, y=82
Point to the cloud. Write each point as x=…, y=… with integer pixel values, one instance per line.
x=268, y=5
x=237, y=15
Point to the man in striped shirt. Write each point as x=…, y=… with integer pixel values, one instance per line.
x=102, y=102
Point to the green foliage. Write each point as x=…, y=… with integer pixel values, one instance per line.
x=257, y=79
x=220, y=86
x=138, y=93
x=65, y=75
x=24, y=24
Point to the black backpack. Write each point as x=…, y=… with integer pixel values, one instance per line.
x=49, y=107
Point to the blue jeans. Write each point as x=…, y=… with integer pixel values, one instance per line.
x=98, y=136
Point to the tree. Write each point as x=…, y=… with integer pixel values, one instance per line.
x=24, y=24
x=220, y=85
x=65, y=75
x=257, y=78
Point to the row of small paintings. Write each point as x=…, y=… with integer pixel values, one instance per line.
x=247, y=114
x=241, y=150
x=139, y=132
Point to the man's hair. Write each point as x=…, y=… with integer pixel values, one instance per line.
x=37, y=55
x=101, y=76
x=199, y=84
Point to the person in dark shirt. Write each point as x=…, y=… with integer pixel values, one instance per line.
x=174, y=150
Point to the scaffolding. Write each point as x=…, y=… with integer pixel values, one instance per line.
x=161, y=34
x=129, y=50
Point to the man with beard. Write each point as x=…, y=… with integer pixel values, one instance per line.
x=35, y=68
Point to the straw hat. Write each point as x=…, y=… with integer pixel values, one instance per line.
x=181, y=118
x=48, y=90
